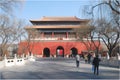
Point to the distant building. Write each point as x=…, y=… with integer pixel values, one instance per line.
x=9, y=50
x=12, y=49
x=56, y=37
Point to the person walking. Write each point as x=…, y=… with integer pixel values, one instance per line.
x=77, y=60
x=89, y=58
x=86, y=58
x=95, y=63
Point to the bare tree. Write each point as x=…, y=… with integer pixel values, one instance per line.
x=95, y=39
x=87, y=36
x=10, y=28
x=82, y=34
x=10, y=32
x=107, y=22
x=109, y=34
x=114, y=5
x=28, y=44
x=7, y=6
x=32, y=35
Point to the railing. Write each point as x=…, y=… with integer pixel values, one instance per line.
x=69, y=39
x=11, y=62
x=110, y=62
x=15, y=61
x=54, y=39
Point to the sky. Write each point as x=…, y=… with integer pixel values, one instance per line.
x=36, y=9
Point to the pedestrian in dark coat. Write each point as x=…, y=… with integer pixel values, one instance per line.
x=96, y=62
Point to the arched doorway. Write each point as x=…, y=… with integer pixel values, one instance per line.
x=74, y=52
x=46, y=52
x=60, y=51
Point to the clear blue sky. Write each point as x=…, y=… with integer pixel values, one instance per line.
x=35, y=9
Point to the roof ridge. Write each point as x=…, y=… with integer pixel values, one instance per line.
x=60, y=18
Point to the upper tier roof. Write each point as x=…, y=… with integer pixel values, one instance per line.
x=68, y=20
x=73, y=18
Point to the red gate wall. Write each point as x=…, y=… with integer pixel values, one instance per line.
x=38, y=47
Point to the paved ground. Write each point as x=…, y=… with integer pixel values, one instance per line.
x=59, y=68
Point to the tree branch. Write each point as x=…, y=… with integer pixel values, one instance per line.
x=112, y=8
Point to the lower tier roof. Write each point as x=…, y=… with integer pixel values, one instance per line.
x=55, y=26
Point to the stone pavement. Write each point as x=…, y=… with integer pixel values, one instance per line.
x=59, y=68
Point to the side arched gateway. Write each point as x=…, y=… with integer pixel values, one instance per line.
x=46, y=52
x=74, y=52
x=60, y=51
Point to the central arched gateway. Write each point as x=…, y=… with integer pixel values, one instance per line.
x=46, y=52
x=60, y=51
x=74, y=52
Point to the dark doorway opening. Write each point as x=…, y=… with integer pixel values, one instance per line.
x=46, y=52
x=74, y=52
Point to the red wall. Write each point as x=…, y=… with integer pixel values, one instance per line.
x=38, y=47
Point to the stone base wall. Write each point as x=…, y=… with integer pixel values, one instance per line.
x=110, y=62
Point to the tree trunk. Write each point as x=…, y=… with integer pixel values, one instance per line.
x=110, y=52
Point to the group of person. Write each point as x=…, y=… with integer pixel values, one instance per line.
x=88, y=57
x=95, y=63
